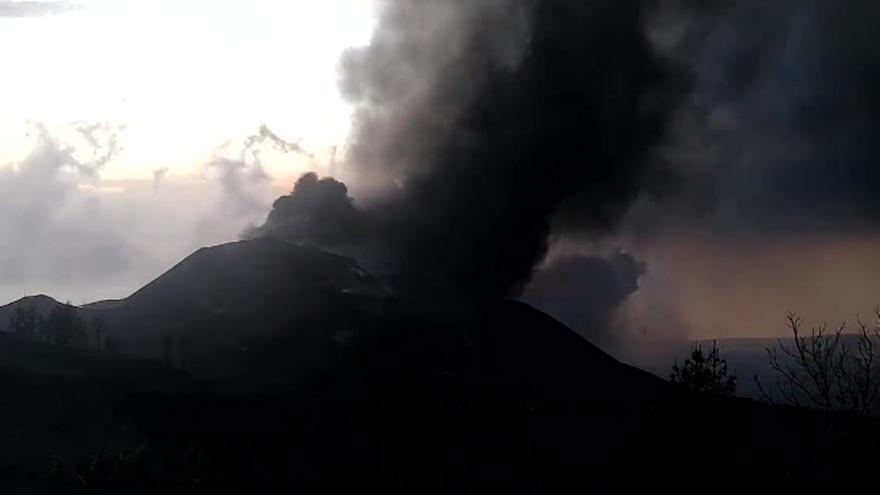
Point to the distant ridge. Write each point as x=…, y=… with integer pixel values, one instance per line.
x=103, y=304
x=42, y=303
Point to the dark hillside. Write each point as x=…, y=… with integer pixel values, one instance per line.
x=334, y=386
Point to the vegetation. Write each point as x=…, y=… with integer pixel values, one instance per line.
x=99, y=327
x=26, y=322
x=705, y=373
x=136, y=468
x=829, y=370
x=64, y=328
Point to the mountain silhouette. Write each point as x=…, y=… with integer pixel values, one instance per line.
x=286, y=367
x=41, y=304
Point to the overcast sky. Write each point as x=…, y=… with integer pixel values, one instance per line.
x=123, y=136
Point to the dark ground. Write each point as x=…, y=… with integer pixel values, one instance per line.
x=511, y=401
x=359, y=390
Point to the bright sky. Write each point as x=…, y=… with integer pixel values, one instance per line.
x=176, y=81
x=181, y=76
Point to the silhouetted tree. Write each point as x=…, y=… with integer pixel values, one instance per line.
x=99, y=326
x=705, y=373
x=64, y=327
x=825, y=370
x=23, y=322
x=41, y=334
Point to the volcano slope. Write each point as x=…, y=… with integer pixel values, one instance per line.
x=305, y=372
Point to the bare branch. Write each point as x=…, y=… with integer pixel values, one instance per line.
x=822, y=370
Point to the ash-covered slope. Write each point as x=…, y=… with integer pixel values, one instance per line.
x=259, y=286
x=266, y=312
x=228, y=310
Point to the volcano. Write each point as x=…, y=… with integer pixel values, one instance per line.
x=303, y=371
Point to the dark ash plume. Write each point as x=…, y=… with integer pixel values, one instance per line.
x=485, y=123
x=318, y=211
x=778, y=136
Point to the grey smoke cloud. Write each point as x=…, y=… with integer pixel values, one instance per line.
x=486, y=130
x=478, y=123
x=774, y=167
x=583, y=291
x=778, y=134
x=68, y=232
x=37, y=198
x=237, y=165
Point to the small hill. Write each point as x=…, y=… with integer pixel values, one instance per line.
x=41, y=304
x=267, y=280
x=236, y=303
x=243, y=313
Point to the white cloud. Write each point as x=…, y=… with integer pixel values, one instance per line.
x=24, y=8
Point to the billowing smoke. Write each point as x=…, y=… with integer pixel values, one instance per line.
x=584, y=291
x=71, y=230
x=483, y=127
x=486, y=129
x=38, y=237
x=778, y=135
x=777, y=165
x=238, y=167
x=318, y=211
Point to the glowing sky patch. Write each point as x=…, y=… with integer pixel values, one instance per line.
x=131, y=132
x=182, y=77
